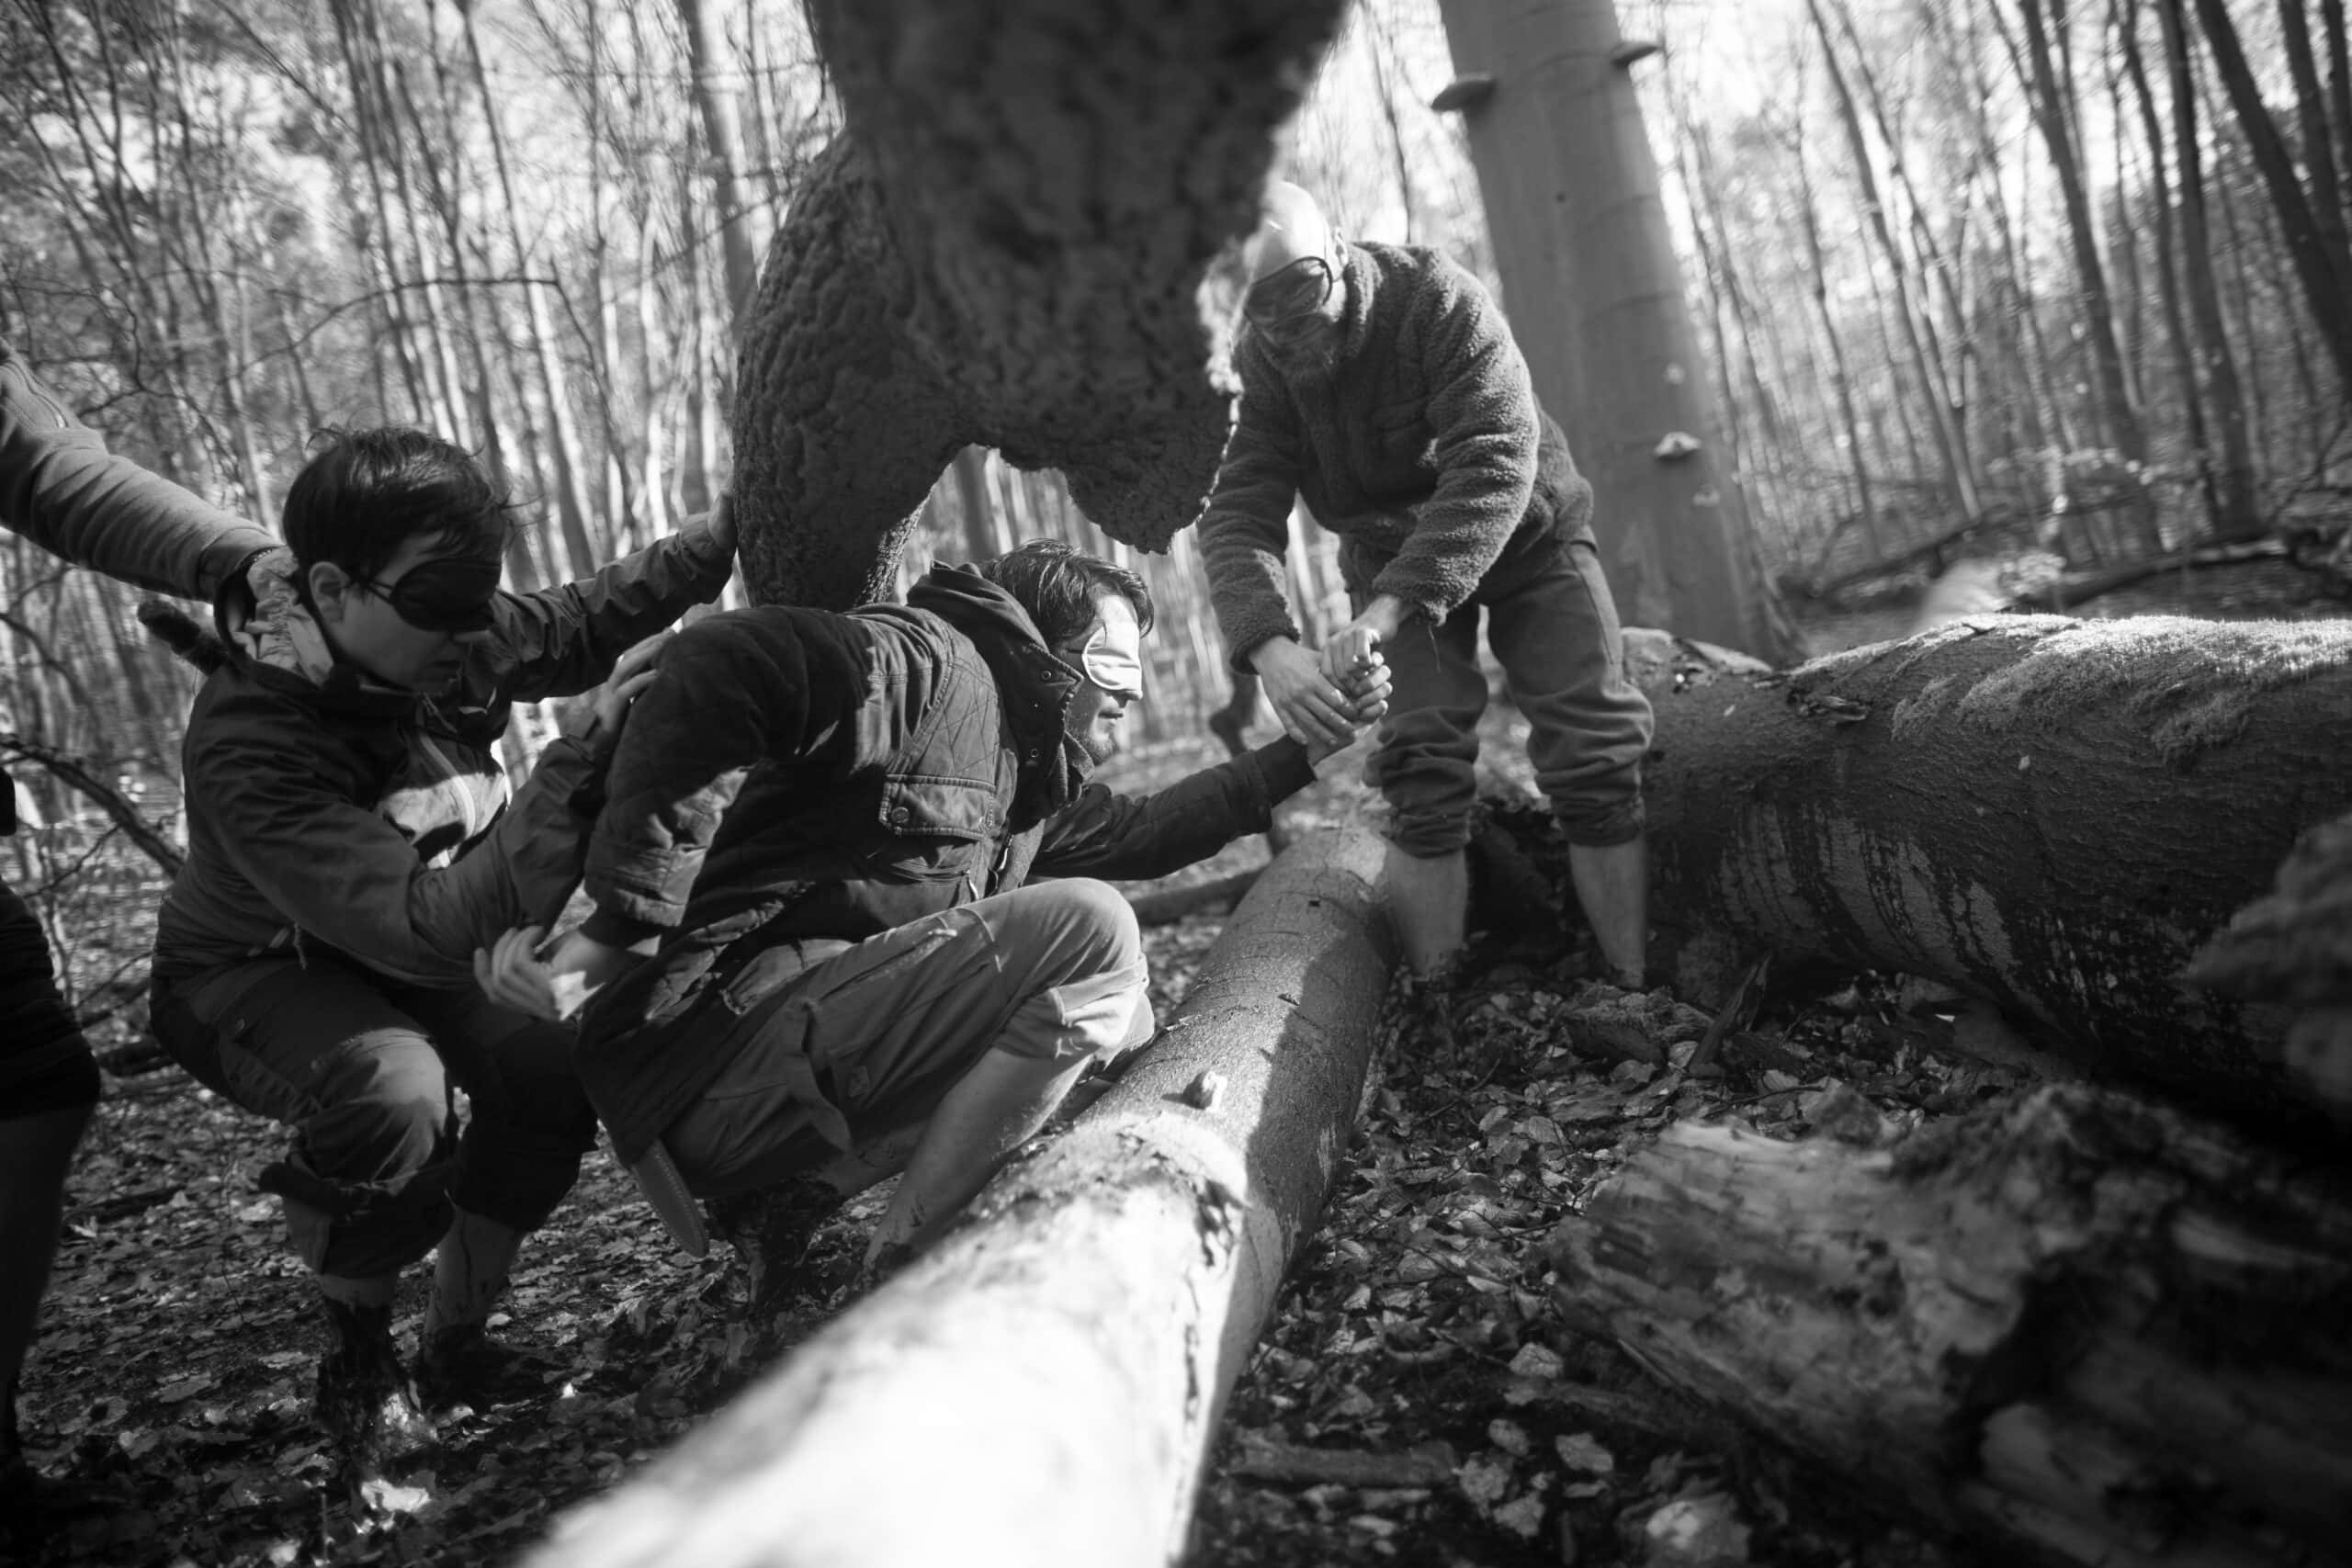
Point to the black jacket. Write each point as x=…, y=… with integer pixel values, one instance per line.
x=824, y=777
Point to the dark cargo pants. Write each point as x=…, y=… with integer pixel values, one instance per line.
x=859, y=1045
x=1553, y=627
x=363, y=1070
x=45, y=1064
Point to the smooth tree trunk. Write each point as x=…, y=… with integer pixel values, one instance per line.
x=1840, y=379
x=2315, y=141
x=2237, y=514
x=1951, y=445
x=565, y=451
x=2052, y=814
x=2126, y=19
x=2077, y=1327
x=1006, y=247
x=1590, y=279
x=2321, y=268
x=722, y=127
x=1044, y=1385
x=2120, y=419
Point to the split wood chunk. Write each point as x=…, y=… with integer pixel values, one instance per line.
x=2075, y=1322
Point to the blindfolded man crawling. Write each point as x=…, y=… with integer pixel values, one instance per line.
x=847, y=921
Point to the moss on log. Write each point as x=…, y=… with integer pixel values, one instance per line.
x=2053, y=814
x=2089, y=1329
x=1044, y=1385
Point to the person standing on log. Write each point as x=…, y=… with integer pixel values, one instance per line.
x=353, y=839
x=1381, y=384
x=820, y=951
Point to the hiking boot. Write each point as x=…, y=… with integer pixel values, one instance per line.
x=463, y=1365
x=366, y=1402
x=770, y=1228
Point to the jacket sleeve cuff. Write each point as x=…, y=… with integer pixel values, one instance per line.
x=710, y=565
x=616, y=929
x=227, y=561
x=1282, y=764
x=1253, y=632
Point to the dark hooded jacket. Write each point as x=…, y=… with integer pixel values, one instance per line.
x=326, y=810
x=822, y=778
x=323, y=811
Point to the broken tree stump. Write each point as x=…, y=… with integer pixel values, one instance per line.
x=2074, y=1324
x=2055, y=815
x=1044, y=1385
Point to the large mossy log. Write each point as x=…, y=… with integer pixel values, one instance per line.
x=2089, y=1330
x=2053, y=814
x=1042, y=1386
x=1007, y=245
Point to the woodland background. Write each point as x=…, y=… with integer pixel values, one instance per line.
x=2019, y=271
x=1975, y=277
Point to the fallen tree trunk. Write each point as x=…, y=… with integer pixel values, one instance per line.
x=1166, y=906
x=2052, y=814
x=1044, y=1385
x=2078, y=589
x=2074, y=1324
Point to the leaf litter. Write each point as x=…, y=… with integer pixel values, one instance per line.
x=1414, y=1400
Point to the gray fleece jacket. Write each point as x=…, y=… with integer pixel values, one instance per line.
x=1422, y=444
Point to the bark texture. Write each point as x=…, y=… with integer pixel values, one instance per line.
x=2052, y=814
x=2294, y=946
x=1044, y=1385
x=2092, y=1330
x=1596, y=306
x=1007, y=246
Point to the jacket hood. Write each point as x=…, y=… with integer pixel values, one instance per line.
x=1035, y=686
x=261, y=625
x=270, y=626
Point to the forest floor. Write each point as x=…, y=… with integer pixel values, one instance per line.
x=1415, y=1400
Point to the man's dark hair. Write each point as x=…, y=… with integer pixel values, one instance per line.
x=1059, y=586
x=367, y=492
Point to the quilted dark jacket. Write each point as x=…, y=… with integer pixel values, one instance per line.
x=825, y=777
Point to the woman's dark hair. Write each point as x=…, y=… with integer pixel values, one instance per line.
x=1059, y=585
x=367, y=492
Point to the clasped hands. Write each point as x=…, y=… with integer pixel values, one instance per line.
x=1323, y=700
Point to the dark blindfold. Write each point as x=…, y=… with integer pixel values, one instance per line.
x=448, y=595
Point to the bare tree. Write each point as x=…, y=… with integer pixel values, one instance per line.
x=2321, y=266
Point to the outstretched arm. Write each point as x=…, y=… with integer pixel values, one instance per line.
x=61, y=489
x=566, y=639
